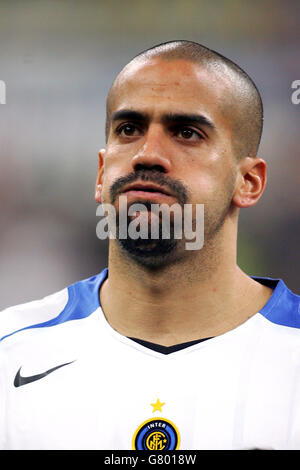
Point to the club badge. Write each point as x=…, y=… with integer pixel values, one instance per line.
x=158, y=434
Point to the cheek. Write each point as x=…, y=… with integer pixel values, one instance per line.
x=117, y=160
x=114, y=168
x=203, y=191
x=204, y=177
x=108, y=180
x=212, y=185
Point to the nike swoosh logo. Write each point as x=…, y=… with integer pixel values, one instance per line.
x=19, y=380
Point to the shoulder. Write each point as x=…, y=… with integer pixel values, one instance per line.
x=19, y=317
x=283, y=307
x=76, y=301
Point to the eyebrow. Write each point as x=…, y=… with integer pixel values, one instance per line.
x=169, y=118
x=130, y=115
x=183, y=118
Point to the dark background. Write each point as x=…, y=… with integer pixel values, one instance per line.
x=58, y=59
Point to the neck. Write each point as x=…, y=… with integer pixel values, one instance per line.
x=201, y=296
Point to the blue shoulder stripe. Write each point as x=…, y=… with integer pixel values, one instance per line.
x=283, y=307
x=83, y=299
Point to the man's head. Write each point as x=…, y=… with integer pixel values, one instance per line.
x=184, y=117
x=242, y=100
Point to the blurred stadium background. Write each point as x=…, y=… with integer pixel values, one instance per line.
x=58, y=59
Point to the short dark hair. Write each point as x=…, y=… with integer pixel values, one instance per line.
x=247, y=115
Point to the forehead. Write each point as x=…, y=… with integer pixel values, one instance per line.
x=158, y=86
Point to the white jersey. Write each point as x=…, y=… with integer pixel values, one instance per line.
x=68, y=380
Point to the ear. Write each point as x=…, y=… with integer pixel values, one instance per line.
x=251, y=181
x=98, y=186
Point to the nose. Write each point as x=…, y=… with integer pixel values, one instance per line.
x=154, y=152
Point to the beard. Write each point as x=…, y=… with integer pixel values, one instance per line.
x=154, y=253
x=148, y=250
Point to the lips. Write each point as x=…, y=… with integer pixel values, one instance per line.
x=146, y=189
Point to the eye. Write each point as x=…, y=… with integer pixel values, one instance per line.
x=128, y=130
x=187, y=133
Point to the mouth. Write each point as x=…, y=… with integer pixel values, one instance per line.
x=147, y=190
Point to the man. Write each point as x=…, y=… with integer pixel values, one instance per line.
x=170, y=348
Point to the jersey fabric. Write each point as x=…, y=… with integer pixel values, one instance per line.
x=68, y=380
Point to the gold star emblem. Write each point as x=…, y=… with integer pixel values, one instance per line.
x=157, y=406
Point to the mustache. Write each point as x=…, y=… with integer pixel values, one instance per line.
x=152, y=176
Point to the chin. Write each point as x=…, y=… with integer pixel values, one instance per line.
x=152, y=254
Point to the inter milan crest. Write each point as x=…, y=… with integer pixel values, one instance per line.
x=156, y=434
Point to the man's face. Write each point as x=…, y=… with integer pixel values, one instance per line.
x=168, y=120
